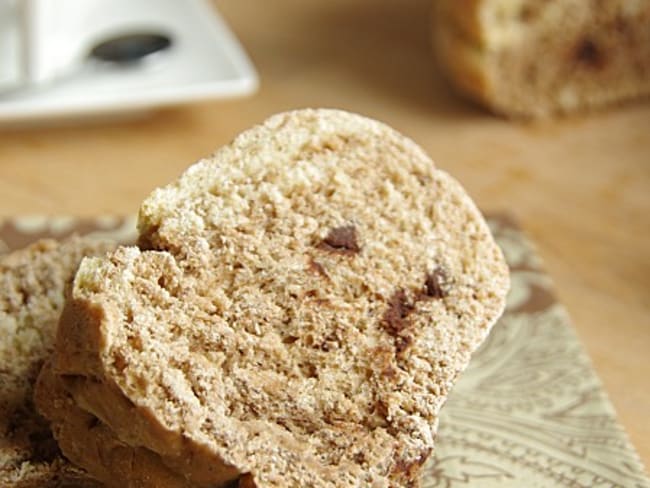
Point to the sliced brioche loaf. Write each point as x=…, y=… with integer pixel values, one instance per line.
x=531, y=58
x=300, y=306
x=32, y=283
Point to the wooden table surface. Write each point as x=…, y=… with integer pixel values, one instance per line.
x=579, y=186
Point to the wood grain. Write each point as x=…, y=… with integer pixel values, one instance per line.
x=580, y=186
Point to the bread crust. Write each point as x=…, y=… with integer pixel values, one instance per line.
x=89, y=442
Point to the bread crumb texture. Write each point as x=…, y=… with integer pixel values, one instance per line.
x=32, y=283
x=298, y=309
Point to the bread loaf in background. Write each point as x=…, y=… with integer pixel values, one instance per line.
x=533, y=58
x=298, y=308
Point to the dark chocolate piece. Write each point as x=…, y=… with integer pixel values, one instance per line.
x=434, y=284
x=395, y=317
x=589, y=54
x=341, y=240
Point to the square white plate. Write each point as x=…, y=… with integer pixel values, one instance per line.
x=204, y=61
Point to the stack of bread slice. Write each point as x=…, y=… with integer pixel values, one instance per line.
x=296, y=311
x=531, y=58
x=32, y=283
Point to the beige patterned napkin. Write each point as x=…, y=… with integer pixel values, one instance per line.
x=529, y=411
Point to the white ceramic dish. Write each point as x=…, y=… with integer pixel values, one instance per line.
x=205, y=61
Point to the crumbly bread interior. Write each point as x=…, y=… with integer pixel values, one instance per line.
x=529, y=58
x=32, y=283
x=299, y=308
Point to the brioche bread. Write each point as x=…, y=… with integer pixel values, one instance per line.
x=298, y=309
x=530, y=58
x=32, y=284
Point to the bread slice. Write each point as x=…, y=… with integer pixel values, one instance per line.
x=32, y=284
x=90, y=443
x=530, y=58
x=299, y=307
